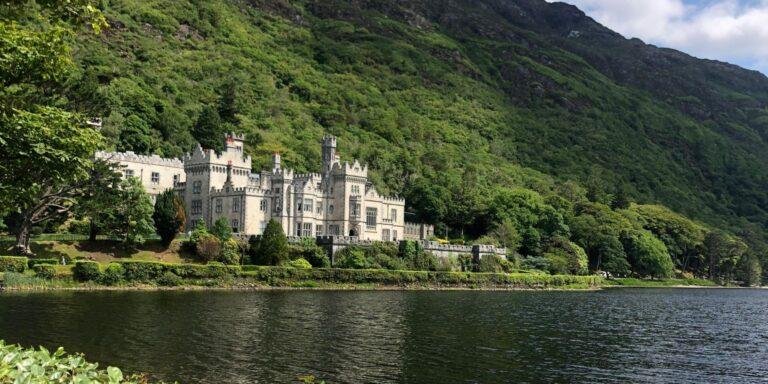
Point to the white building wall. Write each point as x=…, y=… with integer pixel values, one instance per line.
x=156, y=174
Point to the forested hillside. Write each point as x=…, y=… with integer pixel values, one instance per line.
x=480, y=112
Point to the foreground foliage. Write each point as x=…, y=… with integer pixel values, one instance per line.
x=21, y=365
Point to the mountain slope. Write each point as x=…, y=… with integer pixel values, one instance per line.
x=468, y=94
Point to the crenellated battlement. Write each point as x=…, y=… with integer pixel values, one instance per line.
x=132, y=157
x=237, y=190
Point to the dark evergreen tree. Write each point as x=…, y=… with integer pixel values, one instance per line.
x=273, y=249
x=221, y=229
x=253, y=249
x=208, y=129
x=169, y=216
x=228, y=103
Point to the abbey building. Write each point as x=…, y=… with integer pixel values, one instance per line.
x=338, y=201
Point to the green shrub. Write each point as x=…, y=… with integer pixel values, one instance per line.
x=207, y=247
x=230, y=252
x=142, y=271
x=32, y=262
x=299, y=263
x=422, y=261
x=13, y=264
x=112, y=275
x=170, y=279
x=86, y=271
x=19, y=365
x=353, y=258
x=45, y=271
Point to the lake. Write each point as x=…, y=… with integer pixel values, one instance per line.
x=610, y=336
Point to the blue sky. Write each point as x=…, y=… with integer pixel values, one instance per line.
x=735, y=31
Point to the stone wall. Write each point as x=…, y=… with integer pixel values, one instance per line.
x=333, y=244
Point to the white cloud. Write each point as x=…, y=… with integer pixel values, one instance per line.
x=728, y=30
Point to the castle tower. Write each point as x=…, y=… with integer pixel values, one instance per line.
x=329, y=153
x=276, y=161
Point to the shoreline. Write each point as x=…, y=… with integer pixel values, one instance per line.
x=346, y=287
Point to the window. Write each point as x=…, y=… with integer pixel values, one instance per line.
x=262, y=227
x=354, y=209
x=370, y=217
x=175, y=179
x=298, y=229
x=298, y=205
x=394, y=235
x=235, y=225
x=385, y=234
x=308, y=205
x=333, y=229
x=307, y=232
x=330, y=209
x=263, y=205
x=318, y=230
x=319, y=207
x=218, y=206
x=128, y=173
x=235, y=204
x=197, y=187
x=155, y=177
x=393, y=214
x=197, y=207
x=355, y=189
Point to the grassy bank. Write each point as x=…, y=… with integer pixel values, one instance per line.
x=643, y=283
x=147, y=275
x=103, y=250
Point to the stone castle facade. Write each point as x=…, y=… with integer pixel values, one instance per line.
x=156, y=174
x=338, y=201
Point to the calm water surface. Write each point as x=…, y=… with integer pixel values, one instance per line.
x=613, y=336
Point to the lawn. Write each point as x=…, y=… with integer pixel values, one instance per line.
x=107, y=250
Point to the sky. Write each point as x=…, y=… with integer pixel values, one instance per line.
x=735, y=31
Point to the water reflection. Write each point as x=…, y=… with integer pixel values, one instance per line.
x=617, y=336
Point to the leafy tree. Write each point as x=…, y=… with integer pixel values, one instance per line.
x=135, y=136
x=222, y=229
x=507, y=235
x=169, y=216
x=621, y=199
x=648, y=255
x=749, y=271
x=100, y=197
x=273, y=248
x=683, y=237
x=566, y=257
x=45, y=151
x=132, y=218
x=722, y=252
x=427, y=200
x=199, y=230
x=208, y=129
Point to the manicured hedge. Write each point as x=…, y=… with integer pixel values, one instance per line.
x=86, y=271
x=32, y=262
x=45, y=271
x=388, y=277
x=149, y=270
x=13, y=264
